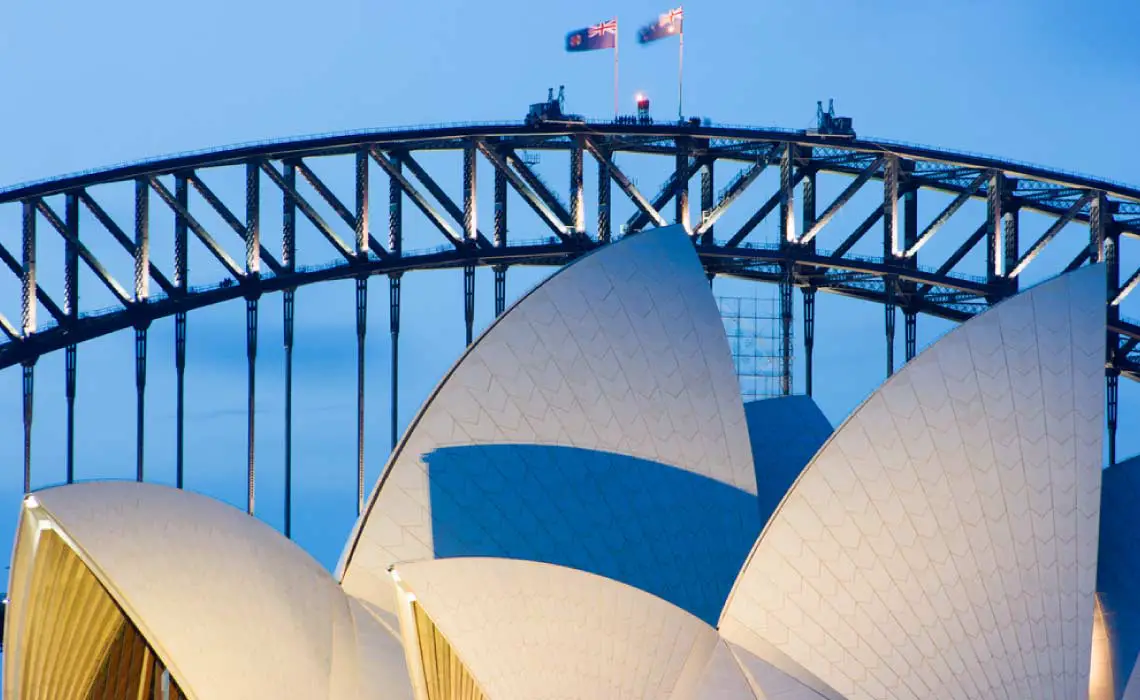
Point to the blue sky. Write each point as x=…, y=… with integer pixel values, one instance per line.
x=89, y=84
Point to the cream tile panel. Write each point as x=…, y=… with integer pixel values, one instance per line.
x=722, y=678
x=622, y=351
x=771, y=683
x=533, y=631
x=734, y=674
x=765, y=665
x=944, y=542
x=232, y=608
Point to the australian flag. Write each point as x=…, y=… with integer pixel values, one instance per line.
x=667, y=25
x=600, y=36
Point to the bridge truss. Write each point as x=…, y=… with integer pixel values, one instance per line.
x=282, y=175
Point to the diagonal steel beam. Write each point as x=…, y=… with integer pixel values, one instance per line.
x=196, y=227
x=217, y=204
x=1127, y=288
x=125, y=241
x=9, y=329
x=41, y=296
x=536, y=203
x=965, y=248
x=307, y=209
x=624, y=183
x=536, y=183
x=417, y=198
x=667, y=192
x=843, y=198
x=753, y=221
x=238, y=227
x=326, y=194
x=733, y=191
x=948, y=212
x=860, y=231
x=449, y=205
x=956, y=258
x=85, y=254
x=763, y=212
x=376, y=246
x=1128, y=346
x=338, y=206
x=1035, y=249
x=1129, y=372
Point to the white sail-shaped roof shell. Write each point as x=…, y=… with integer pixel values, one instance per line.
x=943, y=543
x=621, y=354
x=232, y=608
x=535, y=631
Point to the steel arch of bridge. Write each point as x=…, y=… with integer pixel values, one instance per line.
x=281, y=171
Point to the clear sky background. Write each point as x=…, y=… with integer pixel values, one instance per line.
x=90, y=84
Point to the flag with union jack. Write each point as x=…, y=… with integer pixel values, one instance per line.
x=667, y=25
x=602, y=35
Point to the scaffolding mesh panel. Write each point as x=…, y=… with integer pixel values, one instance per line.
x=752, y=325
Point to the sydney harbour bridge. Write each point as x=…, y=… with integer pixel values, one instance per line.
x=812, y=253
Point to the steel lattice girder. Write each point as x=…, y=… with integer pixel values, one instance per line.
x=686, y=149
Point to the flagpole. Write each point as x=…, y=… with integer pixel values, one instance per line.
x=616, y=43
x=680, y=71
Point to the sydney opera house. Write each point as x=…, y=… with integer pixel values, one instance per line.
x=585, y=508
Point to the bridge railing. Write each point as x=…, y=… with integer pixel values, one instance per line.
x=262, y=143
